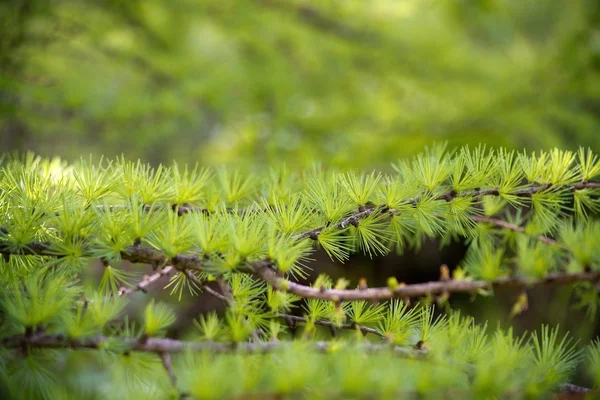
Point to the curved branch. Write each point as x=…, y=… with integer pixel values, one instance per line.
x=265, y=271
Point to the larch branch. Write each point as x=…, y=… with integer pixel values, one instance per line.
x=265, y=271
x=448, y=196
x=161, y=346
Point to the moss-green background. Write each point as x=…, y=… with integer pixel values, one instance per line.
x=251, y=82
x=349, y=83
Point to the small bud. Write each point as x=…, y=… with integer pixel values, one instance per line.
x=284, y=284
x=444, y=273
x=459, y=274
x=520, y=305
x=342, y=284
x=388, y=337
x=362, y=284
x=392, y=283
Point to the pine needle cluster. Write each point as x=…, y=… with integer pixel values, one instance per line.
x=249, y=239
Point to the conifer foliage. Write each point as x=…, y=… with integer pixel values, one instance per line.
x=528, y=220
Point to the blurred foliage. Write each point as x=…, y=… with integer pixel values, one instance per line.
x=252, y=82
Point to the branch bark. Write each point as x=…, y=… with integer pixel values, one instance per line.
x=161, y=346
x=265, y=271
x=165, y=347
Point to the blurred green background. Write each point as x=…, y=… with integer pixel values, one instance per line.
x=349, y=83
x=251, y=82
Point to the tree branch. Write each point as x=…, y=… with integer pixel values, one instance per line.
x=448, y=196
x=161, y=346
x=185, y=263
x=265, y=271
x=165, y=347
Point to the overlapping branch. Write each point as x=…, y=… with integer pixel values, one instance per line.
x=163, y=348
x=164, y=345
x=191, y=266
x=264, y=269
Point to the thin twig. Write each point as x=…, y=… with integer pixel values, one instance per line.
x=225, y=289
x=570, y=388
x=181, y=209
x=321, y=322
x=146, y=281
x=313, y=17
x=203, y=285
x=516, y=228
x=165, y=357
